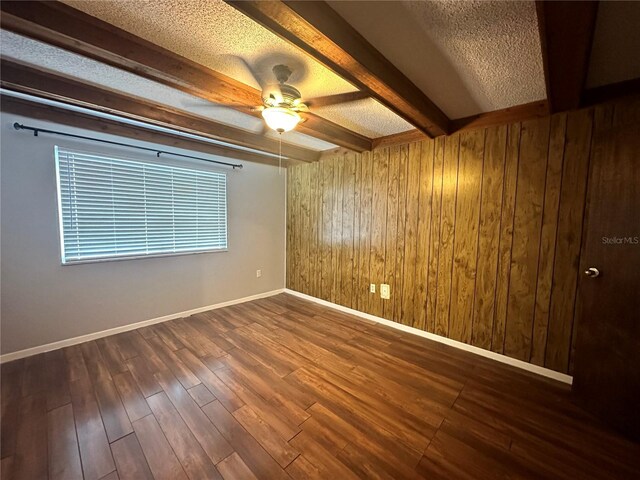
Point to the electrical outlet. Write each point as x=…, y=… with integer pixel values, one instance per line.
x=372, y=288
x=258, y=273
x=385, y=291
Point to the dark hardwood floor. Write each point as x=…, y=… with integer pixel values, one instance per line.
x=280, y=388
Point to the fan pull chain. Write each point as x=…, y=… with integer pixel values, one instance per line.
x=280, y=154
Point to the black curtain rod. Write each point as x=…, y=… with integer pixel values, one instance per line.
x=35, y=131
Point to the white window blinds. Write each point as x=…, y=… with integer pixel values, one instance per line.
x=112, y=208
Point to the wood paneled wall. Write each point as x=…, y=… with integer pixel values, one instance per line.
x=477, y=233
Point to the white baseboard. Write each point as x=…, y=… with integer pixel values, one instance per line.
x=545, y=372
x=125, y=328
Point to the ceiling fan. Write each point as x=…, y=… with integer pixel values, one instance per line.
x=283, y=107
x=282, y=103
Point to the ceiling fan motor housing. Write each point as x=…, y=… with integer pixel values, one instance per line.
x=288, y=94
x=282, y=94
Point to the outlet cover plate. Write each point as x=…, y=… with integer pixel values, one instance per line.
x=385, y=291
x=372, y=288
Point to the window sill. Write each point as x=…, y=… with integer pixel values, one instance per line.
x=139, y=257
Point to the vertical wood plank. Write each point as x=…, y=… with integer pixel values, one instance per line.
x=569, y=238
x=392, y=230
x=336, y=243
x=506, y=236
x=526, y=238
x=398, y=287
x=378, y=225
x=356, y=277
x=313, y=228
x=346, y=240
x=326, y=263
x=447, y=224
x=319, y=232
x=434, y=242
x=423, y=234
x=412, y=267
x=489, y=236
x=299, y=228
x=466, y=234
x=365, y=230
x=305, y=229
x=354, y=206
x=548, y=238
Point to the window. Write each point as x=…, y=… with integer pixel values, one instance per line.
x=114, y=208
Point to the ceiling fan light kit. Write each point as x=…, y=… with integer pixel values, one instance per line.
x=281, y=119
x=282, y=105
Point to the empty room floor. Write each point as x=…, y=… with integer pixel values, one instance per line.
x=281, y=387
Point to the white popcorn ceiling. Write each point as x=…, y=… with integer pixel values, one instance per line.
x=60, y=61
x=467, y=56
x=216, y=35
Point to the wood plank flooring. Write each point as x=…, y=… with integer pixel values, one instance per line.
x=284, y=388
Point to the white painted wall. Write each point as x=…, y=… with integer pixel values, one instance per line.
x=44, y=302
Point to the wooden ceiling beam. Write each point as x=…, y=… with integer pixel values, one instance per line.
x=517, y=113
x=401, y=138
x=65, y=27
x=317, y=29
x=613, y=91
x=31, y=80
x=62, y=116
x=566, y=34
x=505, y=116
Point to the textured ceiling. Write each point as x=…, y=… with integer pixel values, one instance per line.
x=468, y=56
x=615, y=54
x=215, y=34
x=60, y=61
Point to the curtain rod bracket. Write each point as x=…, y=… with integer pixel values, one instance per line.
x=19, y=126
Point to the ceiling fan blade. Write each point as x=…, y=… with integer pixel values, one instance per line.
x=205, y=104
x=259, y=80
x=237, y=61
x=339, y=98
